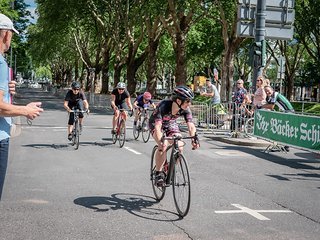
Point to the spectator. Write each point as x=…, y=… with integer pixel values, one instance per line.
x=259, y=98
x=275, y=98
x=211, y=91
x=238, y=99
x=7, y=87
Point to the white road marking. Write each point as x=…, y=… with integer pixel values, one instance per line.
x=252, y=212
x=131, y=150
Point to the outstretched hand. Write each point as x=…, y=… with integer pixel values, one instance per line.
x=33, y=110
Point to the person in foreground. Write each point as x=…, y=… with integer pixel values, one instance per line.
x=119, y=97
x=7, y=88
x=163, y=120
x=75, y=99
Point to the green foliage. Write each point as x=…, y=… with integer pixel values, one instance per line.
x=307, y=107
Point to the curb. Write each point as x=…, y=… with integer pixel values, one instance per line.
x=241, y=141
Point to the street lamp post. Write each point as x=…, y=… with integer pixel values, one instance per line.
x=260, y=32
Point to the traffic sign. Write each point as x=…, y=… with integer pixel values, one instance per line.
x=273, y=3
x=273, y=14
x=273, y=31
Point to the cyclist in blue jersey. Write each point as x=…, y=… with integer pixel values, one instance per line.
x=119, y=96
x=164, y=120
x=75, y=99
x=143, y=101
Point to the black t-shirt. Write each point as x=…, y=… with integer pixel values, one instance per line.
x=120, y=98
x=74, y=98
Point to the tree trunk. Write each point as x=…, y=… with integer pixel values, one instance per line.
x=227, y=75
x=152, y=67
x=117, y=74
x=105, y=71
x=180, y=52
x=132, y=66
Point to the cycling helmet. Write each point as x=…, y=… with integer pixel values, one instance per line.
x=183, y=93
x=75, y=85
x=147, y=96
x=121, y=85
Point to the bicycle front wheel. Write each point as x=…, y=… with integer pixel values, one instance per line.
x=181, y=186
x=136, y=131
x=158, y=191
x=122, y=133
x=145, y=130
x=249, y=126
x=76, y=135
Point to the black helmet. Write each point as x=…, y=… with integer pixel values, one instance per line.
x=182, y=93
x=75, y=85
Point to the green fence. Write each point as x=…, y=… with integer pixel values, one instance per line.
x=293, y=129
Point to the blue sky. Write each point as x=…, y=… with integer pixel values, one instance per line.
x=31, y=8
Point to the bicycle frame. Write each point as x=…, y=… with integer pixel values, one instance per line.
x=120, y=118
x=174, y=155
x=76, y=130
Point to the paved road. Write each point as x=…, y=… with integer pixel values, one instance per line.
x=103, y=192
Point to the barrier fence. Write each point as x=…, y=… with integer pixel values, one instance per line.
x=220, y=118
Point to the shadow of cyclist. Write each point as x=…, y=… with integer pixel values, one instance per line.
x=138, y=205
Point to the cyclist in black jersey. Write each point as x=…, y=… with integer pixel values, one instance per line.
x=164, y=120
x=75, y=98
x=119, y=97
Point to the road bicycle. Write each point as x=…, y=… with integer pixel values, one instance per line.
x=176, y=174
x=120, y=132
x=76, y=131
x=142, y=125
x=249, y=126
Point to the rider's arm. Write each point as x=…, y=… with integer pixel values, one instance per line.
x=113, y=99
x=85, y=104
x=65, y=105
x=158, y=133
x=192, y=132
x=135, y=104
x=128, y=101
x=268, y=106
x=191, y=128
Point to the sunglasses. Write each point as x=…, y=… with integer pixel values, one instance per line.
x=187, y=101
x=121, y=89
x=76, y=89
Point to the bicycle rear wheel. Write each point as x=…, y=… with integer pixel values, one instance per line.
x=76, y=135
x=122, y=133
x=158, y=191
x=249, y=126
x=181, y=186
x=145, y=130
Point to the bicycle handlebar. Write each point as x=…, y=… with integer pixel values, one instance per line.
x=79, y=111
x=177, y=138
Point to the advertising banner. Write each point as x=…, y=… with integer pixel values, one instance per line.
x=293, y=129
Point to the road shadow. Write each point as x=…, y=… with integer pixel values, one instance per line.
x=138, y=205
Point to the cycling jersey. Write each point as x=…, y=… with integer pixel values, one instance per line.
x=163, y=115
x=141, y=103
x=120, y=98
x=73, y=99
x=281, y=101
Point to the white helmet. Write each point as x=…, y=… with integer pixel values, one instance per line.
x=121, y=85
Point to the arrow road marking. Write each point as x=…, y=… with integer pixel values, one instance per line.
x=252, y=212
